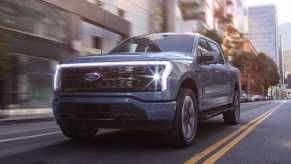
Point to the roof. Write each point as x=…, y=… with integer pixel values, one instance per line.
x=173, y=33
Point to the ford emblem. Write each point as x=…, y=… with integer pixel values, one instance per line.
x=92, y=76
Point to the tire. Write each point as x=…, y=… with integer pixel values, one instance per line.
x=78, y=133
x=185, y=123
x=232, y=117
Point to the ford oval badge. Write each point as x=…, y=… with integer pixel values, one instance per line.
x=92, y=76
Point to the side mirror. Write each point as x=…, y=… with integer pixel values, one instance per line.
x=206, y=59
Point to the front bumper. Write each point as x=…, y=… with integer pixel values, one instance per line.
x=114, y=112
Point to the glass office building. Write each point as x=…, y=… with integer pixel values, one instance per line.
x=263, y=30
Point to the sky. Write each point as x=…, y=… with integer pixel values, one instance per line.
x=283, y=7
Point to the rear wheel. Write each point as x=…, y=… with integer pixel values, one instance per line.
x=185, y=124
x=78, y=133
x=232, y=117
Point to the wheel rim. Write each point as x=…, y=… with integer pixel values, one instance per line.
x=237, y=107
x=188, y=118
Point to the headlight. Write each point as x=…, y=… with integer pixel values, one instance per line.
x=160, y=74
x=57, y=78
x=165, y=75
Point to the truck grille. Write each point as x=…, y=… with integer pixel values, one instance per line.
x=117, y=78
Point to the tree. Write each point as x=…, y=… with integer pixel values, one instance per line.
x=267, y=72
x=213, y=34
x=245, y=62
x=259, y=72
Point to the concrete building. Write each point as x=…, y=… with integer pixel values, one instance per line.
x=199, y=15
x=39, y=33
x=240, y=15
x=193, y=16
x=144, y=17
x=263, y=30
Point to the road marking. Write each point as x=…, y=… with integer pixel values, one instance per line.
x=28, y=137
x=223, y=141
x=235, y=141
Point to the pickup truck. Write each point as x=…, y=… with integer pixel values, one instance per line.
x=166, y=82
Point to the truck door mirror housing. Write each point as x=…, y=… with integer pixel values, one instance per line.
x=206, y=58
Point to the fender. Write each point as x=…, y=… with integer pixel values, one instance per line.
x=192, y=76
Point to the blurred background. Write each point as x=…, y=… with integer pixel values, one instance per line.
x=35, y=35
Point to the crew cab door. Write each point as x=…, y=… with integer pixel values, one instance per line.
x=221, y=77
x=205, y=75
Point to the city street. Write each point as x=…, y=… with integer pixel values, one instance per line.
x=263, y=137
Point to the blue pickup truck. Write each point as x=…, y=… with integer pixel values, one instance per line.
x=165, y=82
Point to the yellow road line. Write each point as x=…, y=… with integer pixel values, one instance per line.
x=221, y=142
x=235, y=141
x=213, y=147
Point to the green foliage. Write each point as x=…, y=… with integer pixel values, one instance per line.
x=259, y=68
x=244, y=62
x=213, y=34
x=267, y=70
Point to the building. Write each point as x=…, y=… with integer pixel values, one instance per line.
x=144, y=16
x=289, y=81
x=263, y=30
x=37, y=34
x=193, y=16
x=285, y=33
x=199, y=15
x=286, y=47
x=287, y=62
x=240, y=15
x=281, y=64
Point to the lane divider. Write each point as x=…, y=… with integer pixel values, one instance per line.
x=231, y=136
x=235, y=141
x=28, y=137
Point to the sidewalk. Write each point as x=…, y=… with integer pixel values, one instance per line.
x=16, y=116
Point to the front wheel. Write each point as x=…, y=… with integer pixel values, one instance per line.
x=232, y=117
x=185, y=124
x=78, y=133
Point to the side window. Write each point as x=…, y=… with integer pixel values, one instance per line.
x=214, y=48
x=202, y=46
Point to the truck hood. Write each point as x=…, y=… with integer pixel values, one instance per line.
x=162, y=56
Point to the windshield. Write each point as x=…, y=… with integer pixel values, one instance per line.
x=156, y=43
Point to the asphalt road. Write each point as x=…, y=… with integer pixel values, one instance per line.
x=263, y=137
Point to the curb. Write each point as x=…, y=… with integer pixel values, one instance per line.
x=25, y=120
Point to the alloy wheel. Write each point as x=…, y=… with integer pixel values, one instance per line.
x=188, y=118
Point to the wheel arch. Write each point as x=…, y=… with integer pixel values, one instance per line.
x=189, y=81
